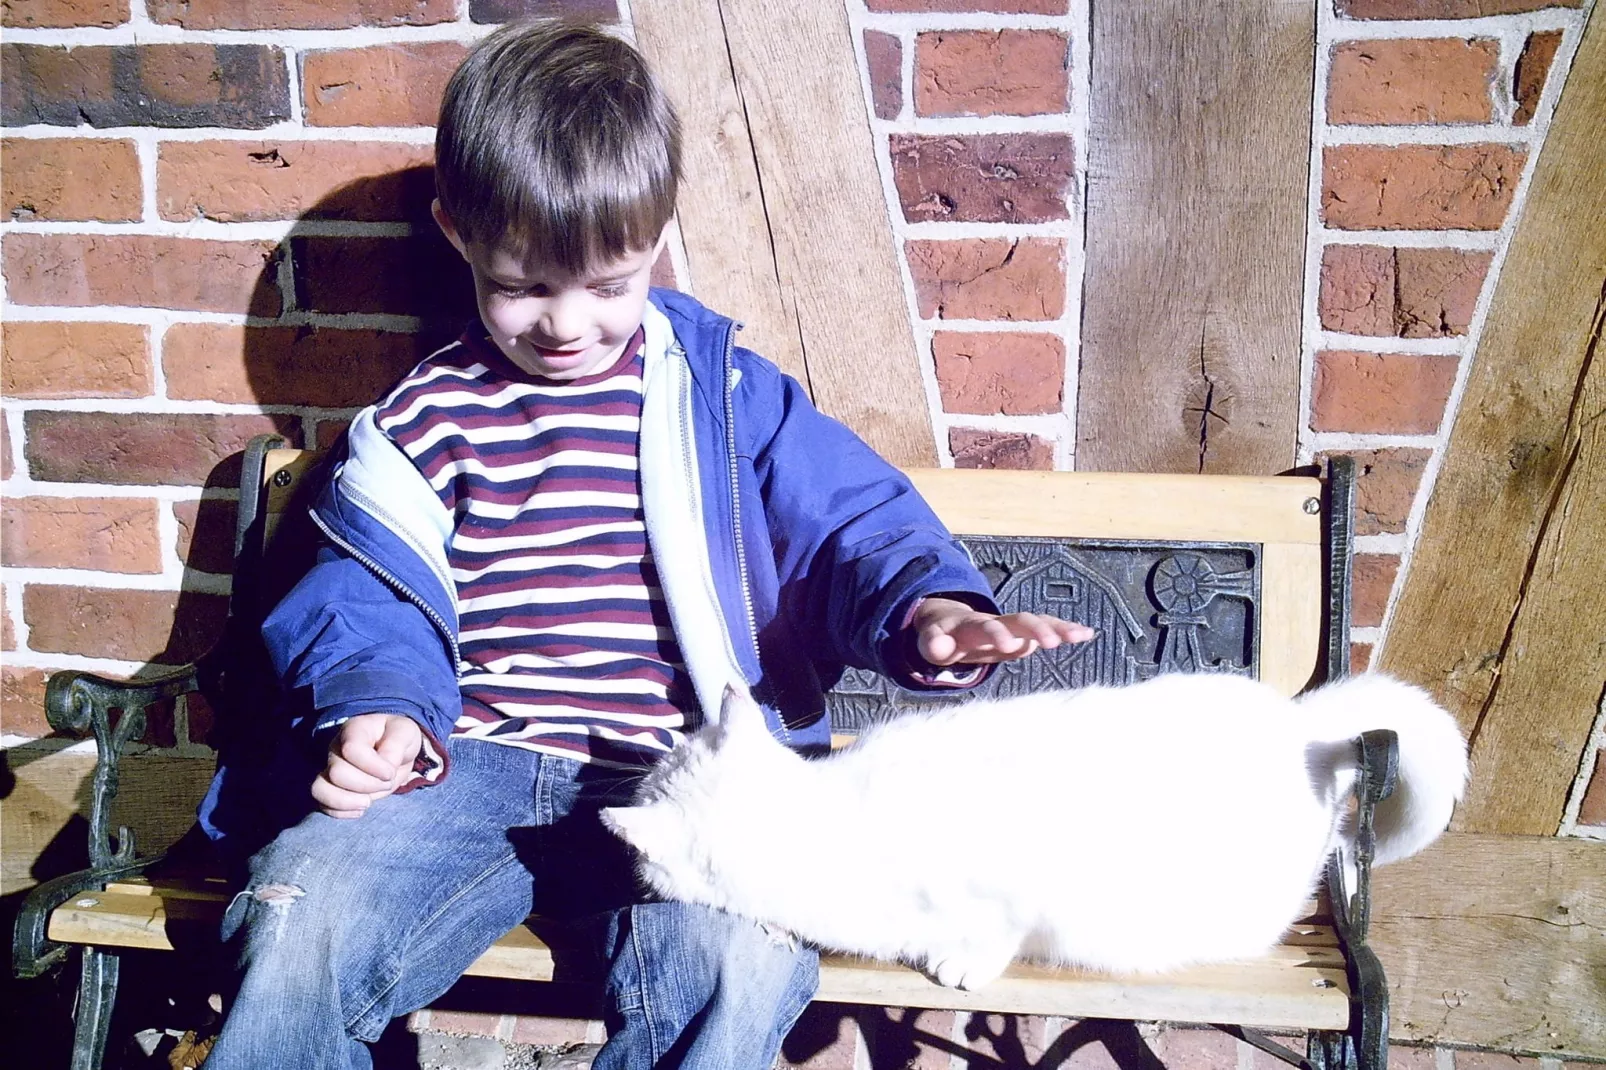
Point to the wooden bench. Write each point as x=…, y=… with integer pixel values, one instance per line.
x=1179, y=573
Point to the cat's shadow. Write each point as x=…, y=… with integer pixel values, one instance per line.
x=897, y=1039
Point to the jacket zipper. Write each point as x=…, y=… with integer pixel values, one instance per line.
x=398, y=586
x=736, y=503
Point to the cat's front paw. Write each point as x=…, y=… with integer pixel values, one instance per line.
x=966, y=973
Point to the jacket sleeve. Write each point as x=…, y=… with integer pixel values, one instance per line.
x=856, y=547
x=352, y=645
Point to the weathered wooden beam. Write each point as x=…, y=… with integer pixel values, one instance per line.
x=1503, y=611
x=1198, y=161
x=48, y=805
x=782, y=212
x=1497, y=941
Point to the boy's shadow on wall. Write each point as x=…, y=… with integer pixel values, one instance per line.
x=325, y=340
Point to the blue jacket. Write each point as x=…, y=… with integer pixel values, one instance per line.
x=786, y=549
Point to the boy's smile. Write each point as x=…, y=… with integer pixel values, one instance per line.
x=551, y=322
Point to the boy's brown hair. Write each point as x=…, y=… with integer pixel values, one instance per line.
x=556, y=141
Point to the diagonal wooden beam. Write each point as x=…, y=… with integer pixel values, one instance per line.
x=782, y=212
x=1503, y=614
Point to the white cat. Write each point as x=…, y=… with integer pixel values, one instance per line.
x=1142, y=828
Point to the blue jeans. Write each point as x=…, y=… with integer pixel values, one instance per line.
x=346, y=924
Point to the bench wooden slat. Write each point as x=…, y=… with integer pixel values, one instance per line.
x=1299, y=984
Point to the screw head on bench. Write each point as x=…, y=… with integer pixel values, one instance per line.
x=86, y=903
x=1312, y=505
x=1324, y=982
x=282, y=478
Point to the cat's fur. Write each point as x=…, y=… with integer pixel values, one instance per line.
x=1181, y=820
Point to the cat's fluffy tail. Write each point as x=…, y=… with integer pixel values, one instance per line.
x=1433, y=754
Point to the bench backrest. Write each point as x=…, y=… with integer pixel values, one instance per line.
x=1179, y=573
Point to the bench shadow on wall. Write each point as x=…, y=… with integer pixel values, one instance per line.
x=350, y=316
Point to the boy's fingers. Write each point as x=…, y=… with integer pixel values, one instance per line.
x=400, y=744
x=1001, y=637
x=936, y=645
x=343, y=774
x=362, y=755
x=338, y=802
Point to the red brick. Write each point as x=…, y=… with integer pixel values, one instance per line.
x=884, y=54
x=1196, y=1049
x=299, y=14
x=1010, y=1039
x=1437, y=291
x=539, y=1029
x=385, y=85
x=234, y=181
x=1533, y=67
x=1009, y=7
x=974, y=448
x=71, y=179
x=984, y=178
x=824, y=1038
x=1592, y=811
x=146, y=270
x=1385, y=487
x=1357, y=289
x=1380, y=393
x=144, y=449
x=328, y=433
x=201, y=718
x=1440, y=80
x=414, y=276
x=577, y=10
x=75, y=360
x=1493, y=1060
x=206, y=534
x=1373, y=580
x=989, y=278
x=467, y=1023
x=1442, y=9
x=1408, y=1056
x=244, y=86
x=1360, y=659
x=22, y=702
x=1406, y=293
x=167, y=627
x=8, y=631
x=893, y=1037
x=63, y=13
x=321, y=366
x=109, y=534
x=663, y=271
x=1419, y=187
x=985, y=372
x=991, y=72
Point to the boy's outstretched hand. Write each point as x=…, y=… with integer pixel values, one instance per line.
x=368, y=758
x=949, y=632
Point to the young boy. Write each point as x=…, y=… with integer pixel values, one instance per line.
x=549, y=550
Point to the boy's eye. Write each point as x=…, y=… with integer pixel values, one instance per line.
x=510, y=290
x=616, y=290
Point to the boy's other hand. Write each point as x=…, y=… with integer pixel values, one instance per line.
x=368, y=759
x=949, y=631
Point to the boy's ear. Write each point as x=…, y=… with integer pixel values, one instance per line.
x=444, y=221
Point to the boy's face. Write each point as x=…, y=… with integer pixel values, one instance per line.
x=553, y=323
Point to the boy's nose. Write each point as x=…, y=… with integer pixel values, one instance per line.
x=560, y=322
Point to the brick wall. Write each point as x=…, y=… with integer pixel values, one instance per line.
x=215, y=224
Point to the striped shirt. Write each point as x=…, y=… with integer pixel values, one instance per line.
x=562, y=623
